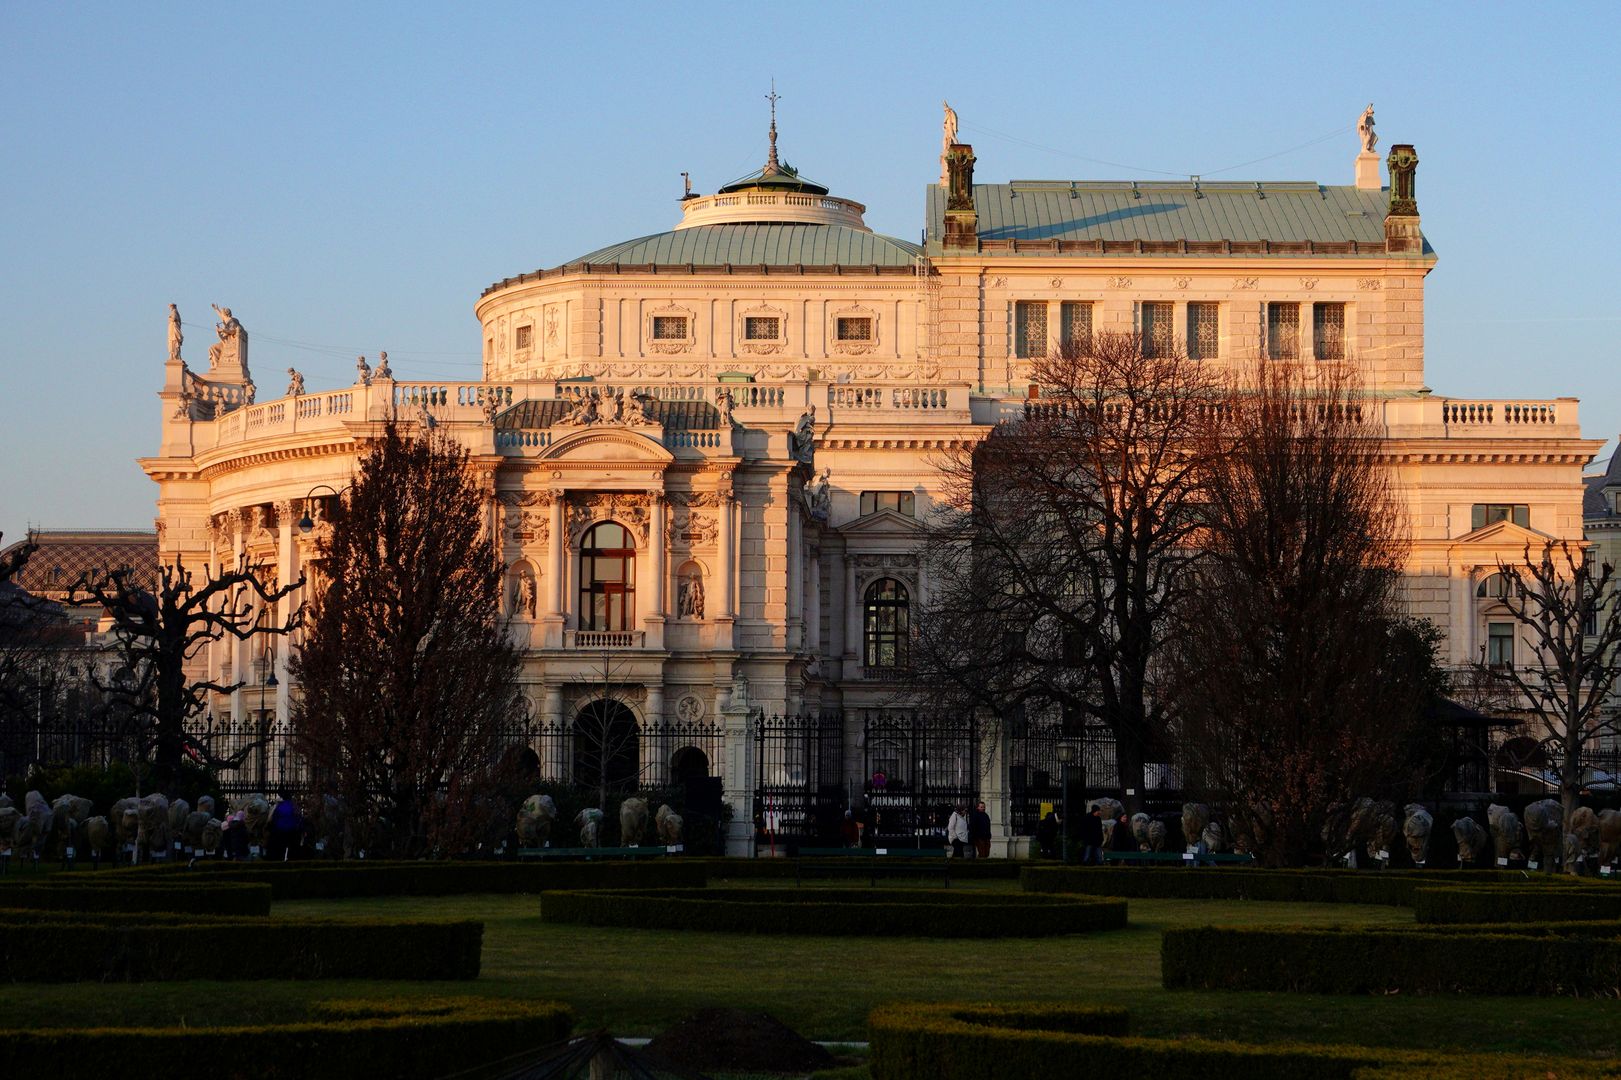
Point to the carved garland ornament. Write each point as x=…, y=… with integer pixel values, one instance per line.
x=670, y=346
x=858, y=347
x=632, y=511
x=1246, y=283
x=527, y=515
x=1369, y=284
x=685, y=527
x=1120, y=282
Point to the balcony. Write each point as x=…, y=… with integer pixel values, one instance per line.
x=603, y=640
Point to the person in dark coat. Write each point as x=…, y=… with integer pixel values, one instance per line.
x=1092, y=836
x=1121, y=838
x=979, y=831
x=1047, y=833
x=286, y=825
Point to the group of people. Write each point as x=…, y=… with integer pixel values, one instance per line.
x=969, y=832
x=1089, y=835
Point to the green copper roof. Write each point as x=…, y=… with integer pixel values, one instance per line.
x=782, y=177
x=759, y=244
x=1029, y=210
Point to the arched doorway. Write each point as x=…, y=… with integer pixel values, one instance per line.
x=689, y=763
x=606, y=746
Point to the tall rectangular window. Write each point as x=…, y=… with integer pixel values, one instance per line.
x=1157, y=335
x=1075, y=324
x=1485, y=514
x=1203, y=342
x=524, y=338
x=1328, y=331
x=1500, y=644
x=1282, y=331
x=1029, y=328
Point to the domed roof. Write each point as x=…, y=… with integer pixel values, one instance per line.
x=774, y=176
x=758, y=244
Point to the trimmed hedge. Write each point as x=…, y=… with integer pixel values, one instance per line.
x=911, y=912
x=1038, y=1042
x=1360, y=961
x=1394, y=887
x=357, y=878
x=1511, y=905
x=119, y=948
x=864, y=867
x=110, y=893
x=414, y=1040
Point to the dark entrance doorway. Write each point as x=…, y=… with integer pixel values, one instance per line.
x=689, y=763
x=606, y=747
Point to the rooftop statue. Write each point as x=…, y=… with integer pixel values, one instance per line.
x=175, y=336
x=362, y=371
x=295, y=383
x=948, y=137
x=1364, y=127
x=383, y=370
x=230, y=352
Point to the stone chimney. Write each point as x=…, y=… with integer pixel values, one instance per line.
x=962, y=221
x=1402, y=235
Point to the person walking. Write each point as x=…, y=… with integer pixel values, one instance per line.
x=979, y=831
x=1092, y=836
x=1121, y=838
x=1047, y=833
x=957, y=831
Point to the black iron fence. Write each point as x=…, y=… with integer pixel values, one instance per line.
x=916, y=767
x=799, y=794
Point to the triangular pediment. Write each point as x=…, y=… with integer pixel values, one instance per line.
x=1503, y=534
x=882, y=523
x=607, y=443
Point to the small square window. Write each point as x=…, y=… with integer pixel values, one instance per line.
x=669, y=328
x=901, y=502
x=1484, y=514
x=854, y=329
x=525, y=337
x=762, y=328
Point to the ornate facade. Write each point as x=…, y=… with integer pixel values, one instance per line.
x=705, y=450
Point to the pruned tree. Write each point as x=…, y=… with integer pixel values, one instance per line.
x=408, y=678
x=606, y=739
x=1567, y=610
x=1301, y=681
x=155, y=692
x=33, y=636
x=1064, y=546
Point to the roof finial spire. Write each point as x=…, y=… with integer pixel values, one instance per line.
x=772, y=167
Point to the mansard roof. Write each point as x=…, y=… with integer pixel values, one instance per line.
x=65, y=555
x=1152, y=212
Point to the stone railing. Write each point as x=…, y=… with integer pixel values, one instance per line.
x=1456, y=418
x=788, y=207
x=602, y=639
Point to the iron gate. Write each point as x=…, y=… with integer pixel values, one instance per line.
x=799, y=779
x=916, y=767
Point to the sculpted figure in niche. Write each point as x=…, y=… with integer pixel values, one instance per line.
x=524, y=596
x=819, y=496
x=295, y=383
x=689, y=602
x=1364, y=127
x=175, y=335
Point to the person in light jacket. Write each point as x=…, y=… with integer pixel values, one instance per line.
x=957, y=831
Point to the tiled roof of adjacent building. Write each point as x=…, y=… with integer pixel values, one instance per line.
x=64, y=555
x=1159, y=213
x=676, y=415
x=1595, y=507
x=761, y=244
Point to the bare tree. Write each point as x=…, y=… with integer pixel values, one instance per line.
x=1065, y=544
x=408, y=678
x=1301, y=683
x=1567, y=610
x=606, y=738
x=156, y=635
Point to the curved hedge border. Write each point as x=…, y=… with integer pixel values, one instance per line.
x=1361, y=961
x=110, y=893
x=910, y=912
x=356, y=878
x=1394, y=887
x=862, y=867
x=1038, y=1042
x=123, y=948
x=1511, y=905
x=413, y=1040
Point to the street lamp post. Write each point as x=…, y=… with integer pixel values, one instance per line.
x=306, y=524
x=1066, y=758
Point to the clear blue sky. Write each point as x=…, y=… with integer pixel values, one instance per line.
x=350, y=176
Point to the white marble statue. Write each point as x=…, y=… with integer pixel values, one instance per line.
x=635, y=409
x=176, y=337
x=725, y=403
x=527, y=595
x=1364, y=128
x=362, y=371
x=584, y=411
x=804, y=440
x=295, y=383
x=383, y=370
x=230, y=338
x=690, y=597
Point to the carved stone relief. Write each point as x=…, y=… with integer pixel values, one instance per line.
x=630, y=510
x=686, y=526
x=527, y=515
x=1246, y=283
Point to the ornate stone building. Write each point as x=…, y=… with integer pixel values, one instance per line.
x=706, y=449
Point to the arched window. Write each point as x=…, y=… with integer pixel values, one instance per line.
x=607, y=579
x=1493, y=587
x=888, y=624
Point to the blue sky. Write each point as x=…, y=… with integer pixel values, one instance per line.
x=348, y=177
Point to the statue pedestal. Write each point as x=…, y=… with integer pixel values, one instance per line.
x=1367, y=171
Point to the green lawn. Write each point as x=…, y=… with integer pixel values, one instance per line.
x=636, y=982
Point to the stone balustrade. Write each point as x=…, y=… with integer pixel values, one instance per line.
x=602, y=639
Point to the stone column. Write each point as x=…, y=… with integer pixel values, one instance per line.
x=555, y=767
x=556, y=547
x=238, y=646
x=656, y=609
x=813, y=604
x=739, y=769
x=286, y=574
x=796, y=580
x=726, y=555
